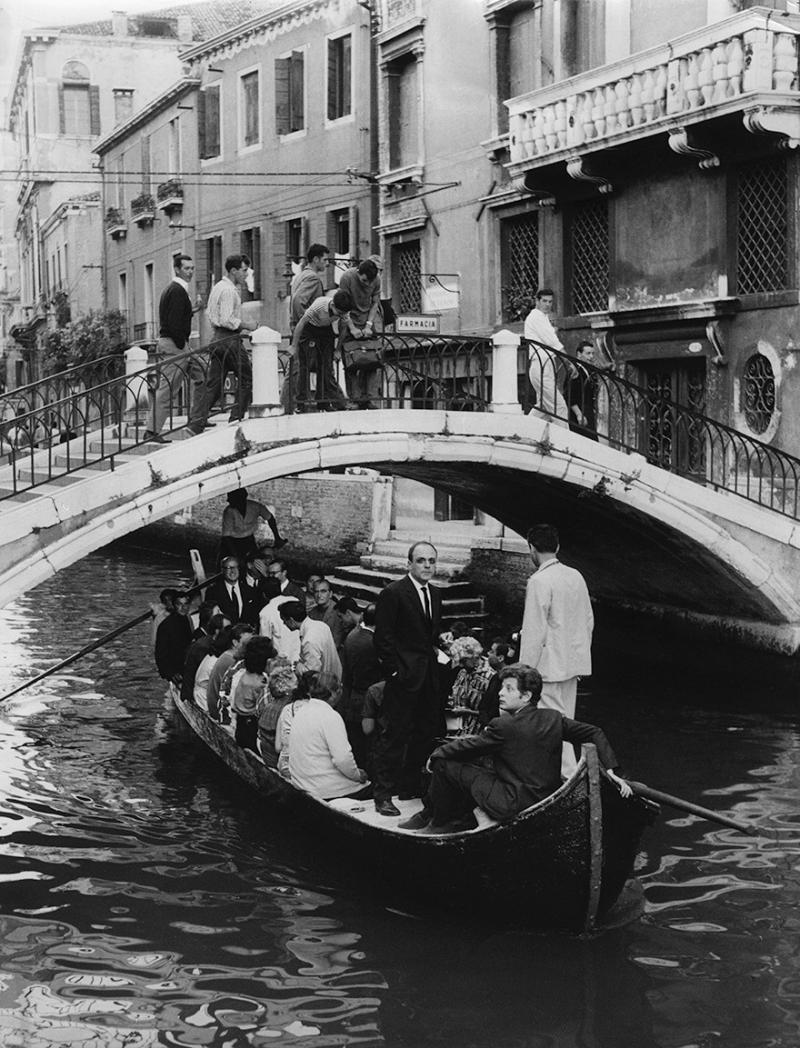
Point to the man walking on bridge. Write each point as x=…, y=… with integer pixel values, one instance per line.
x=556, y=636
x=544, y=366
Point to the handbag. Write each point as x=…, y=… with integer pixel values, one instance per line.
x=362, y=358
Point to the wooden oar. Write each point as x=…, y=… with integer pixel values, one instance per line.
x=695, y=809
x=98, y=643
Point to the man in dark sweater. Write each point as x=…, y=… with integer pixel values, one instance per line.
x=514, y=762
x=175, y=311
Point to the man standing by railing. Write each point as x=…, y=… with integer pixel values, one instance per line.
x=543, y=365
x=175, y=311
x=224, y=311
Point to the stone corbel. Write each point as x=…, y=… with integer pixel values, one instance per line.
x=771, y=120
x=679, y=143
x=544, y=197
x=714, y=336
x=577, y=170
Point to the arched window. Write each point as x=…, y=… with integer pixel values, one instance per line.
x=758, y=392
x=78, y=101
x=75, y=71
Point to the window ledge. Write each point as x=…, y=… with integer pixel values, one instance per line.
x=338, y=121
x=254, y=147
x=399, y=175
x=291, y=136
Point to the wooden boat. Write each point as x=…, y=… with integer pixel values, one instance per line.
x=562, y=863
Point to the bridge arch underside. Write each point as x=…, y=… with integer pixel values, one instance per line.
x=641, y=537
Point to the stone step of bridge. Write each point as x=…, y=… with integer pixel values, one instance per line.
x=392, y=555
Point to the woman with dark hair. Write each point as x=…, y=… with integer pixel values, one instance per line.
x=239, y=522
x=247, y=690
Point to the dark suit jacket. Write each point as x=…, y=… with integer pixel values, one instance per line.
x=173, y=637
x=525, y=757
x=295, y=591
x=360, y=666
x=404, y=639
x=217, y=593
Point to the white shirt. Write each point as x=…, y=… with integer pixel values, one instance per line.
x=420, y=588
x=320, y=758
x=539, y=328
x=285, y=641
x=224, y=307
x=201, y=679
x=556, y=636
x=317, y=649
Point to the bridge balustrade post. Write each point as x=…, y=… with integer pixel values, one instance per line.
x=505, y=395
x=136, y=360
x=266, y=380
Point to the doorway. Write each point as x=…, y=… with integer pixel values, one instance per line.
x=671, y=436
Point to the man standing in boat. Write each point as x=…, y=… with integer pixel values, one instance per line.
x=407, y=624
x=556, y=635
x=512, y=764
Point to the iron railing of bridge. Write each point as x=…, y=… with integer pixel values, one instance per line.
x=94, y=425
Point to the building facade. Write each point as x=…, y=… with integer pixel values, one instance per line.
x=284, y=147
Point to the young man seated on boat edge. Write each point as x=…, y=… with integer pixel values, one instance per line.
x=238, y=636
x=513, y=763
x=320, y=760
x=247, y=688
x=173, y=637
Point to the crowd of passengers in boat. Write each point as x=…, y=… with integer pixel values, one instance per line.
x=371, y=702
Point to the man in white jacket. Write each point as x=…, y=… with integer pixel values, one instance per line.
x=544, y=366
x=556, y=636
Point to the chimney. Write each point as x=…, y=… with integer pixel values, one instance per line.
x=185, y=29
x=119, y=23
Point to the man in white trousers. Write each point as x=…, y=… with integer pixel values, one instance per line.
x=556, y=636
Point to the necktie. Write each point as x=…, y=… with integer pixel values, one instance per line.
x=235, y=598
x=427, y=598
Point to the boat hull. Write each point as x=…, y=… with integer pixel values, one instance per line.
x=561, y=864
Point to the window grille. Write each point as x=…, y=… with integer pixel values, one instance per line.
x=763, y=231
x=589, y=237
x=407, y=261
x=758, y=393
x=519, y=258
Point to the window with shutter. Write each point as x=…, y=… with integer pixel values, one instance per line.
x=76, y=109
x=94, y=110
x=249, y=103
x=250, y=245
x=210, y=137
x=339, y=77
x=290, y=93
x=145, y=163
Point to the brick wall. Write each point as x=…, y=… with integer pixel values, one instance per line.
x=327, y=520
x=501, y=577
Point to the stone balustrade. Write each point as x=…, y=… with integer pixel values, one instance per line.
x=749, y=59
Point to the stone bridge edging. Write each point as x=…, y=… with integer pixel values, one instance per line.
x=44, y=535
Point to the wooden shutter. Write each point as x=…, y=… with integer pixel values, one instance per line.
x=201, y=268
x=212, y=121
x=332, y=75
x=355, y=246
x=94, y=110
x=257, y=263
x=281, y=96
x=62, y=117
x=201, y=124
x=279, y=262
x=145, y=163
x=296, y=91
x=345, y=75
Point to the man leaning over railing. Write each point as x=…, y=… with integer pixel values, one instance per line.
x=543, y=366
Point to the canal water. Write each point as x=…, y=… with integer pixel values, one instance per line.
x=148, y=899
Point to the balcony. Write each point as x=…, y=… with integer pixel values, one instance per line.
x=116, y=223
x=143, y=209
x=170, y=195
x=742, y=68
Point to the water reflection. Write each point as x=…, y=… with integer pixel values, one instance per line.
x=148, y=899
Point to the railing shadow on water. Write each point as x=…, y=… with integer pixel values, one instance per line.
x=92, y=425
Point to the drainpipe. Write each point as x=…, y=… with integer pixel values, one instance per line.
x=104, y=248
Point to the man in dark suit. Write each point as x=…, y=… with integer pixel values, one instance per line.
x=407, y=623
x=173, y=637
x=277, y=570
x=235, y=599
x=514, y=762
x=360, y=670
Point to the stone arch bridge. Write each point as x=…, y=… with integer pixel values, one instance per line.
x=642, y=536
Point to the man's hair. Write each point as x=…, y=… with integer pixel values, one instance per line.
x=216, y=622
x=315, y=251
x=528, y=679
x=342, y=301
x=347, y=603
x=292, y=609
x=239, y=630
x=585, y=343
x=234, y=262
x=257, y=654
x=230, y=559
x=221, y=642
x=545, y=291
x=543, y=537
x=422, y=542
x=368, y=269
x=369, y=615
x=178, y=260
x=276, y=561
x=205, y=613
x=168, y=594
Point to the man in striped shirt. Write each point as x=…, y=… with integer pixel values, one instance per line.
x=313, y=345
x=224, y=310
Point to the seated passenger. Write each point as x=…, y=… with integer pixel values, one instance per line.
x=320, y=759
x=475, y=688
x=219, y=644
x=166, y=604
x=514, y=762
x=247, y=689
x=211, y=625
x=238, y=636
x=372, y=721
x=286, y=720
x=281, y=688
